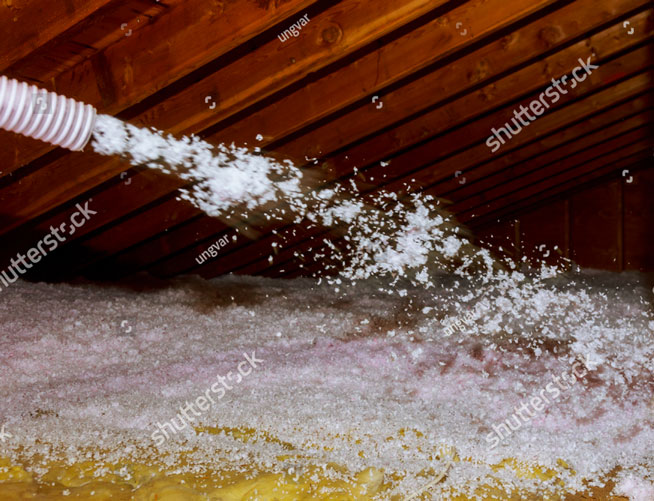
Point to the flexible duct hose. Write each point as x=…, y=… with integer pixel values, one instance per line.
x=37, y=113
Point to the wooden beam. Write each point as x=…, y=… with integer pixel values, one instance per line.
x=604, y=133
x=439, y=101
x=638, y=212
x=159, y=222
x=287, y=258
x=465, y=148
x=334, y=33
x=160, y=246
x=535, y=32
x=174, y=251
x=578, y=183
x=530, y=191
x=243, y=80
x=375, y=70
x=403, y=51
x=27, y=25
x=402, y=54
x=564, y=116
x=108, y=203
x=93, y=34
x=567, y=115
x=496, y=185
x=185, y=38
x=621, y=250
x=545, y=150
x=271, y=245
x=328, y=37
x=292, y=267
x=529, y=176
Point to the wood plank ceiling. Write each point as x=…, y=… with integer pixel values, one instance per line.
x=444, y=73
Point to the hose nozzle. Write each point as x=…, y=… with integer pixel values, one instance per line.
x=37, y=113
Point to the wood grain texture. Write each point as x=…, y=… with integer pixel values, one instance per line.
x=27, y=25
x=443, y=89
x=190, y=35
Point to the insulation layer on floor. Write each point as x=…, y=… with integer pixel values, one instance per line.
x=298, y=390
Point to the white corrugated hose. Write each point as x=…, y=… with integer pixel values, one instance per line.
x=37, y=113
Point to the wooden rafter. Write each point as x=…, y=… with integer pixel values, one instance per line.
x=442, y=90
x=188, y=36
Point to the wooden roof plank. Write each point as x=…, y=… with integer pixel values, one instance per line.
x=278, y=232
x=286, y=257
x=164, y=245
x=597, y=42
x=467, y=147
x=171, y=256
x=329, y=36
x=445, y=83
x=546, y=149
x=558, y=119
x=499, y=19
x=27, y=25
x=501, y=181
x=185, y=38
x=545, y=184
x=90, y=172
x=533, y=176
x=566, y=115
x=109, y=205
x=373, y=71
x=84, y=166
x=577, y=183
x=91, y=35
x=582, y=109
